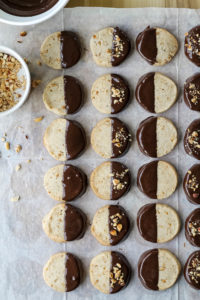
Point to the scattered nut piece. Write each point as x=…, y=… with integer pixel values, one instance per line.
x=18, y=167
x=119, y=227
x=28, y=161
x=35, y=83
x=39, y=63
x=7, y=145
x=18, y=148
x=15, y=199
x=39, y=119
x=3, y=139
x=23, y=33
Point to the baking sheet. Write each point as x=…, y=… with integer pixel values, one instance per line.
x=24, y=248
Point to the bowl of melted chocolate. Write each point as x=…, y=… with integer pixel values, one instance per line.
x=29, y=12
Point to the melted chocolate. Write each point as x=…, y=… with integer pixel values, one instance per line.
x=145, y=92
x=75, y=139
x=120, y=47
x=70, y=50
x=119, y=224
x=117, y=259
x=120, y=138
x=147, y=222
x=74, y=183
x=148, y=269
x=72, y=94
x=146, y=137
x=146, y=45
x=192, y=92
x=191, y=184
x=120, y=93
x=26, y=8
x=147, y=179
x=122, y=174
x=75, y=223
x=192, y=45
x=73, y=272
x=192, y=139
x=192, y=228
x=192, y=270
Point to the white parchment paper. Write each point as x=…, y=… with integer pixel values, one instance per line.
x=24, y=248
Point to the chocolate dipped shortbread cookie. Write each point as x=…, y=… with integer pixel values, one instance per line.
x=192, y=92
x=192, y=270
x=192, y=139
x=192, y=228
x=191, y=184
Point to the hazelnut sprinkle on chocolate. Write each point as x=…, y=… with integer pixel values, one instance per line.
x=192, y=45
x=191, y=184
x=120, y=93
x=192, y=228
x=192, y=270
x=192, y=139
x=120, y=180
x=120, y=47
x=192, y=92
x=121, y=138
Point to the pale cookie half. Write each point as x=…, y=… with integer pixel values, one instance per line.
x=110, y=180
x=110, y=138
x=109, y=272
x=158, y=223
x=60, y=50
x=109, y=46
x=64, y=139
x=63, y=95
x=65, y=182
x=156, y=136
x=157, y=179
x=64, y=223
x=158, y=269
x=62, y=272
x=156, y=92
x=156, y=45
x=110, y=225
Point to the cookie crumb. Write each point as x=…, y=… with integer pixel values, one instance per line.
x=28, y=161
x=35, y=83
x=18, y=167
x=18, y=148
x=7, y=145
x=15, y=199
x=39, y=119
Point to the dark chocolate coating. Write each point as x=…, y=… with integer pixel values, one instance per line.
x=191, y=265
x=73, y=94
x=147, y=222
x=192, y=92
x=192, y=139
x=75, y=223
x=26, y=8
x=73, y=272
x=75, y=139
x=146, y=137
x=120, y=138
x=120, y=47
x=119, y=100
x=147, y=179
x=192, y=45
x=191, y=184
x=119, y=215
x=118, y=258
x=148, y=269
x=122, y=174
x=74, y=183
x=146, y=45
x=192, y=228
x=70, y=50
x=145, y=92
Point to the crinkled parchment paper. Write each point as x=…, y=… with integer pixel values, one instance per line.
x=24, y=248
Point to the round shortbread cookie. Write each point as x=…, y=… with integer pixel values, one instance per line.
x=110, y=138
x=110, y=94
x=109, y=46
x=62, y=272
x=65, y=182
x=192, y=228
x=64, y=139
x=61, y=50
x=192, y=46
x=192, y=92
x=192, y=139
x=109, y=272
x=64, y=223
x=110, y=180
x=63, y=95
x=156, y=136
x=192, y=270
x=191, y=184
x=156, y=92
x=110, y=225
x=157, y=179
x=156, y=45
x=158, y=223
x=158, y=269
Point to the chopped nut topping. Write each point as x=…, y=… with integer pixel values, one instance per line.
x=194, y=139
x=118, y=95
x=193, y=184
x=118, y=46
x=116, y=276
x=113, y=232
x=115, y=224
x=194, y=228
x=194, y=270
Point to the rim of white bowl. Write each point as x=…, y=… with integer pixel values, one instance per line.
x=25, y=95
x=16, y=20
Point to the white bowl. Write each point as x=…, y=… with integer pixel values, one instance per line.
x=14, y=20
x=26, y=73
